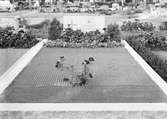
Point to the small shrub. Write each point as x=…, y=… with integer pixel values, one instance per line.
x=114, y=32
x=55, y=29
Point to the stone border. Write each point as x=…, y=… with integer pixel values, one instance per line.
x=19, y=65
x=83, y=107
x=147, y=68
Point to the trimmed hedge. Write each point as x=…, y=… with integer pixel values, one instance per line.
x=158, y=64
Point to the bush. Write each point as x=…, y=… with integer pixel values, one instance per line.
x=55, y=30
x=155, y=41
x=114, y=32
x=10, y=38
x=158, y=64
x=137, y=26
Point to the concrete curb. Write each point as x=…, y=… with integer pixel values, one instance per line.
x=147, y=68
x=7, y=78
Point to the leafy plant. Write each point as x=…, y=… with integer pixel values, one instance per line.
x=137, y=26
x=10, y=38
x=92, y=39
x=113, y=32
x=55, y=29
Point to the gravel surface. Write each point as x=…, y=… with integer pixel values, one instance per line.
x=84, y=115
x=117, y=78
x=8, y=57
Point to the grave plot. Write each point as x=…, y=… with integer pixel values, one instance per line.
x=117, y=78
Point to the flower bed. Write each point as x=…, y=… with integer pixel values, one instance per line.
x=158, y=64
x=63, y=44
x=11, y=38
x=93, y=39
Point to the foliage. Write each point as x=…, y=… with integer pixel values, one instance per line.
x=63, y=44
x=10, y=38
x=92, y=39
x=40, y=33
x=158, y=64
x=55, y=29
x=113, y=32
x=155, y=41
x=163, y=26
x=40, y=30
x=137, y=26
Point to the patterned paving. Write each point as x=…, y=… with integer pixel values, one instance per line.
x=117, y=78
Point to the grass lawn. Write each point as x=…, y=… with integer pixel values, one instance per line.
x=8, y=57
x=117, y=78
